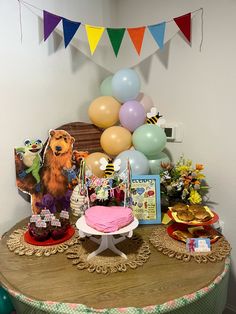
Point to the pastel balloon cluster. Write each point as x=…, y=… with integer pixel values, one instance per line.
x=121, y=112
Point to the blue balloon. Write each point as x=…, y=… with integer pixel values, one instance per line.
x=138, y=161
x=155, y=164
x=6, y=306
x=125, y=85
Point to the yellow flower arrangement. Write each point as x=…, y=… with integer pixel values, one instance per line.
x=183, y=182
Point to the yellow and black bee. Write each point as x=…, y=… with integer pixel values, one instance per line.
x=153, y=116
x=109, y=166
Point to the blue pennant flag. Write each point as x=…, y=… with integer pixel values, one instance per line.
x=69, y=29
x=158, y=33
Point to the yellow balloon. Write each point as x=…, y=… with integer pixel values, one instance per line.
x=104, y=111
x=115, y=140
x=93, y=163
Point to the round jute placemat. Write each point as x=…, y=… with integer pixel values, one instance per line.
x=173, y=248
x=17, y=244
x=136, y=249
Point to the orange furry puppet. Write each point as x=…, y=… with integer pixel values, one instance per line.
x=57, y=159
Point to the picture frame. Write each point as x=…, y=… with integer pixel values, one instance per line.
x=146, y=201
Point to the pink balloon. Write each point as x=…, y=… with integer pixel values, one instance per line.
x=146, y=101
x=132, y=115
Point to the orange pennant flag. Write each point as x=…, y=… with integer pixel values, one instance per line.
x=137, y=35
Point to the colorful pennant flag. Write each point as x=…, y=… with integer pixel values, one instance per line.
x=50, y=22
x=158, y=33
x=94, y=34
x=136, y=35
x=116, y=35
x=184, y=24
x=69, y=30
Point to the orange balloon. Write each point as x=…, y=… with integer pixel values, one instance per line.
x=93, y=163
x=104, y=111
x=115, y=140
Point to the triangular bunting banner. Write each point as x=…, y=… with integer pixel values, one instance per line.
x=50, y=22
x=184, y=24
x=136, y=35
x=94, y=34
x=158, y=33
x=69, y=30
x=116, y=35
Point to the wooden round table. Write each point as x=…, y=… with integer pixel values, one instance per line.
x=37, y=282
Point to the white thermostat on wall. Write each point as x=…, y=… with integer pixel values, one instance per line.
x=174, y=131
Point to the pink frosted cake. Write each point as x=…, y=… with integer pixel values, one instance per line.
x=108, y=219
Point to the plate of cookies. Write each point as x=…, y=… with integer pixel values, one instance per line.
x=197, y=215
x=182, y=232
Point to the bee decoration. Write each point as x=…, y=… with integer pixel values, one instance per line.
x=154, y=117
x=109, y=166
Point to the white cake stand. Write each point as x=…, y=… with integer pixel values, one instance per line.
x=107, y=240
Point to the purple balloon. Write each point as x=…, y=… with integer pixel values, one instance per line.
x=132, y=115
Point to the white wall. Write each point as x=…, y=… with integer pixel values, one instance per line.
x=40, y=89
x=198, y=89
x=44, y=86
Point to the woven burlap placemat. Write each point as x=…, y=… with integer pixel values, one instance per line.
x=136, y=249
x=16, y=243
x=173, y=248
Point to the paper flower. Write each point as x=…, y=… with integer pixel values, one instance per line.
x=102, y=194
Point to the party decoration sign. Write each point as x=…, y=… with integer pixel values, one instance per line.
x=184, y=24
x=69, y=30
x=137, y=35
x=145, y=192
x=116, y=35
x=94, y=33
x=158, y=33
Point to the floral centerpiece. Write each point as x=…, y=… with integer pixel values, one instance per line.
x=183, y=182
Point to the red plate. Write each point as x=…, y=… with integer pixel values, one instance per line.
x=177, y=226
x=69, y=233
x=214, y=219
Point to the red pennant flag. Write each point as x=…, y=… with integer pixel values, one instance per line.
x=184, y=24
x=136, y=35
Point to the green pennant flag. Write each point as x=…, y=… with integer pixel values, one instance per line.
x=116, y=35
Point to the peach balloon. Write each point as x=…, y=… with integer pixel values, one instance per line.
x=115, y=140
x=104, y=111
x=93, y=163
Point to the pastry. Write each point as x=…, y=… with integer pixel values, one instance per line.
x=201, y=233
x=195, y=208
x=182, y=235
x=39, y=233
x=185, y=215
x=202, y=215
x=179, y=207
x=211, y=234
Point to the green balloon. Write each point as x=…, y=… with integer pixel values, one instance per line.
x=149, y=139
x=105, y=87
x=6, y=306
x=155, y=164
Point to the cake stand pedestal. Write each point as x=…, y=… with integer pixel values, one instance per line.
x=106, y=240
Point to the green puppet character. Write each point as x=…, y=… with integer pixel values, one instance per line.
x=30, y=155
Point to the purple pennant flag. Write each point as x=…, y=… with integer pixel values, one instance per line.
x=69, y=29
x=50, y=22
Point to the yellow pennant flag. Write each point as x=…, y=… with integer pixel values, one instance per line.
x=94, y=34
